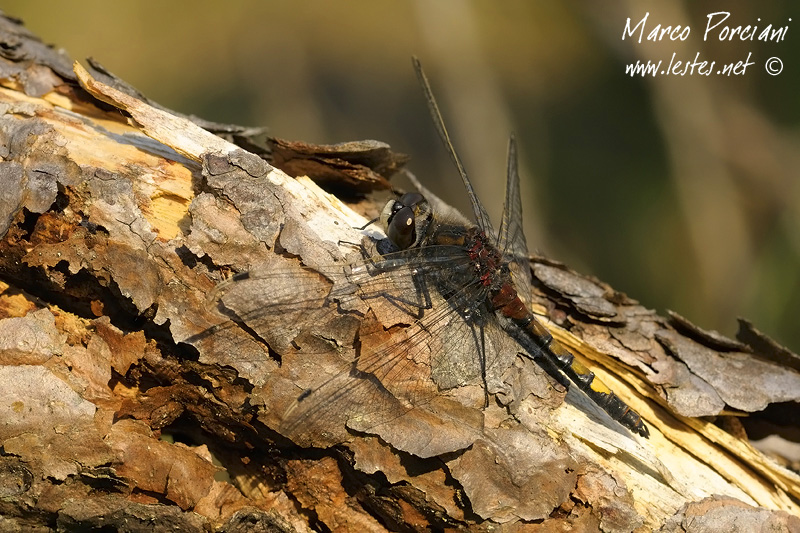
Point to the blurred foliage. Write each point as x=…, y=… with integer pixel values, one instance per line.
x=681, y=191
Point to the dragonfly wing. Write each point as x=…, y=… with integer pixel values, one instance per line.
x=511, y=239
x=277, y=301
x=280, y=299
x=474, y=348
x=398, y=286
x=381, y=390
x=306, y=318
x=270, y=308
x=481, y=216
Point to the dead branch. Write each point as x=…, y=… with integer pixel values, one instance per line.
x=121, y=381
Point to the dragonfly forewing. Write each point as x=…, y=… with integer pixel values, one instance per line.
x=382, y=340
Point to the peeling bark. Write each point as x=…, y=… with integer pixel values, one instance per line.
x=129, y=401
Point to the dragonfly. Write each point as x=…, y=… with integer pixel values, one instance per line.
x=456, y=290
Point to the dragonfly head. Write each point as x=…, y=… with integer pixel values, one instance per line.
x=406, y=219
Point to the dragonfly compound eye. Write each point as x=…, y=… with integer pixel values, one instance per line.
x=401, y=229
x=411, y=199
x=406, y=219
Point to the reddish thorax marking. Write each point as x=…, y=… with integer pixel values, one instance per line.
x=488, y=263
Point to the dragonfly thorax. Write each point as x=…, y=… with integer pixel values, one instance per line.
x=488, y=261
x=406, y=219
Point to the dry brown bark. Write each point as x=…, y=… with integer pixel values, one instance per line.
x=120, y=380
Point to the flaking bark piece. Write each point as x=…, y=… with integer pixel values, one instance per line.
x=29, y=340
x=24, y=57
x=40, y=68
x=173, y=470
x=229, y=131
x=361, y=166
x=752, y=390
x=22, y=189
x=766, y=347
x=710, y=338
x=512, y=474
x=586, y=296
x=689, y=395
x=609, y=499
x=326, y=495
x=711, y=514
x=425, y=475
x=112, y=513
x=48, y=422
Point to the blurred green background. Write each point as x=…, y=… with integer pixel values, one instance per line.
x=682, y=191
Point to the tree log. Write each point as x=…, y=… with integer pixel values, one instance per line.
x=130, y=402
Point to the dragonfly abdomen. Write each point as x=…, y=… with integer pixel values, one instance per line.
x=508, y=303
x=594, y=387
